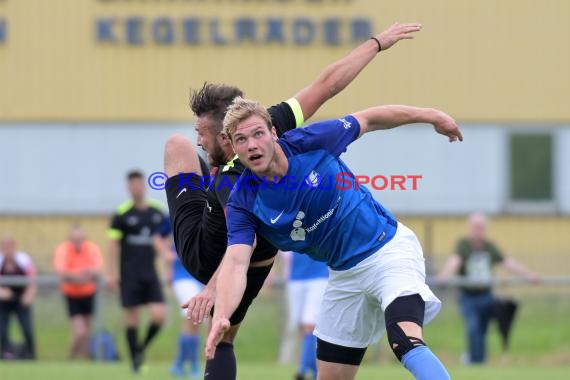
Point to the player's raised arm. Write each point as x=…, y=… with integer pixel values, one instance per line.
x=392, y=116
x=335, y=77
x=232, y=281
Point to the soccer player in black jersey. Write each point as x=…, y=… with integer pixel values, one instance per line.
x=197, y=206
x=135, y=226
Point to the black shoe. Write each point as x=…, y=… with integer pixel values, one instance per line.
x=299, y=376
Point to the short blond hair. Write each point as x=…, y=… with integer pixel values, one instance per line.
x=240, y=110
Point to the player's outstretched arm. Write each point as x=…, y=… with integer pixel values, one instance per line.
x=335, y=77
x=232, y=280
x=387, y=117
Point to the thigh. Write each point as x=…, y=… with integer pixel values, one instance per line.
x=295, y=302
x=349, y=317
x=132, y=292
x=24, y=314
x=186, y=209
x=314, y=291
x=152, y=292
x=400, y=271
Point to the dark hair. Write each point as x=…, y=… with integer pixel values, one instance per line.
x=214, y=99
x=134, y=174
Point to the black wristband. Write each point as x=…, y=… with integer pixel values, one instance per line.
x=378, y=42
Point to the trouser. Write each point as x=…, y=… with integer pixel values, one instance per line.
x=477, y=311
x=24, y=316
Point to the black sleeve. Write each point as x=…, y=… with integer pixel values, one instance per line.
x=282, y=117
x=160, y=224
x=116, y=222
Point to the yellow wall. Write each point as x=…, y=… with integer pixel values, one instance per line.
x=543, y=243
x=485, y=60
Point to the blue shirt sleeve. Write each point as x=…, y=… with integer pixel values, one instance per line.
x=333, y=136
x=242, y=223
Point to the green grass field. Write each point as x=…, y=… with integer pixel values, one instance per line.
x=260, y=371
x=540, y=345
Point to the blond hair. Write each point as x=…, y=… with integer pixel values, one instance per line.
x=240, y=110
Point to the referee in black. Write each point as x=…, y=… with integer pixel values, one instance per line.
x=133, y=237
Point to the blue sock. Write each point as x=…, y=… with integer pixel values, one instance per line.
x=424, y=365
x=192, y=344
x=309, y=354
x=182, y=351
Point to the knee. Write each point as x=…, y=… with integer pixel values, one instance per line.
x=405, y=311
x=176, y=142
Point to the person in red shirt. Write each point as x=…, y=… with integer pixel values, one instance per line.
x=79, y=263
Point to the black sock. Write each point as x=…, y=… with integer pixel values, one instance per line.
x=223, y=365
x=132, y=341
x=150, y=334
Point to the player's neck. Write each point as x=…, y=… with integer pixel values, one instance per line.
x=277, y=167
x=140, y=204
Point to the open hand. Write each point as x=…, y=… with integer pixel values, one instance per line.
x=199, y=307
x=219, y=328
x=396, y=33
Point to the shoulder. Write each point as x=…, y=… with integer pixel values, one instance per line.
x=124, y=207
x=62, y=248
x=463, y=245
x=232, y=167
x=289, y=110
x=22, y=258
x=91, y=247
x=245, y=191
x=155, y=205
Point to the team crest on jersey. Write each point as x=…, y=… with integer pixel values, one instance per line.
x=157, y=218
x=132, y=220
x=313, y=179
x=345, y=123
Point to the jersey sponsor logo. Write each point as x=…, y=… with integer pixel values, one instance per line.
x=181, y=192
x=143, y=238
x=274, y=220
x=345, y=123
x=299, y=233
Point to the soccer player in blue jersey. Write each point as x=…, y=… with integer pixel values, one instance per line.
x=198, y=213
x=294, y=193
x=307, y=281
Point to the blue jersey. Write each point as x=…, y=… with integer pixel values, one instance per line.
x=304, y=268
x=317, y=208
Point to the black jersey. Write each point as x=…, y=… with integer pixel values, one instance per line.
x=135, y=229
x=215, y=237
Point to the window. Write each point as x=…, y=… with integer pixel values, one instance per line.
x=531, y=169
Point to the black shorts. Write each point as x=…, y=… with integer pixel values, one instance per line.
x=255, y=279
x=140, y=291
x=80, y=305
